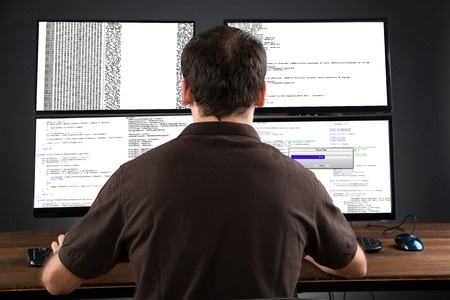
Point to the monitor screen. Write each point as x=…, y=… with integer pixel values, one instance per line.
x=352, y=157
x=318, y=66
x=85, y=66
x=75, y=156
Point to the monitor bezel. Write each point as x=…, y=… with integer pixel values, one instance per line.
x=143, y=110
x=370, y=117
x=60, y=212
x=299, y=110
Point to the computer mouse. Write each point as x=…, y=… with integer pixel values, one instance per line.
x=408, y=242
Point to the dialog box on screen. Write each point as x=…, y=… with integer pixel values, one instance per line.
x=323, y=158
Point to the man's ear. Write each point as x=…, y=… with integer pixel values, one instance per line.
x=261, y=96
x=186, y=95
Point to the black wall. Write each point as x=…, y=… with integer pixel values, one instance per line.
x=420, y=56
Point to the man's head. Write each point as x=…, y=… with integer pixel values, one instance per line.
x=224, y=68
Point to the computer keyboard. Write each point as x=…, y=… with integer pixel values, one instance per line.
x=369, y=244
x=37, y=256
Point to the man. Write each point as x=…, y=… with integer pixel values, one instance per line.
x=214, y=213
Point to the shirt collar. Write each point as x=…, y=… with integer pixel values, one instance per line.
x=221, y=128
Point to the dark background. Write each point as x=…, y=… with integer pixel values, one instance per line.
x=420, y=55
x=419, y=33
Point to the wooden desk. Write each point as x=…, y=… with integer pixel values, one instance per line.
x=19, y=280
x=388, y=269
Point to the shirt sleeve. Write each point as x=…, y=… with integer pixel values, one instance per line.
x=332, y=242
x=93, y=245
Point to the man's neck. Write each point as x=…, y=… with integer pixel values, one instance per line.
x=245, y=118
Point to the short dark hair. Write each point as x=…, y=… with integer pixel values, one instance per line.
x=225, y=68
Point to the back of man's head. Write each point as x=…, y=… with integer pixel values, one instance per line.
x=225, y=68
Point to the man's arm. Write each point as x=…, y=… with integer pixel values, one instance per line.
x=57, y=279
x=357, y=268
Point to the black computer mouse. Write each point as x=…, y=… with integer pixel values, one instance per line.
x=409, y=242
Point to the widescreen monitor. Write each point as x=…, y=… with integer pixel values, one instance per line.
x=316, y=66
x=110, y=65
x=352, y=157
x=75, y=156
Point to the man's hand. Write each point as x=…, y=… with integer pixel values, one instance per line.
x=56, y=245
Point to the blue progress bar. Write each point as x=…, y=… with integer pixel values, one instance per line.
x=308, y=156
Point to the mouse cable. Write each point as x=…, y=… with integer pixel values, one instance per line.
x=387, y=228
x=398, y=227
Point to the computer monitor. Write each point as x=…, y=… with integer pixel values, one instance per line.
x=110, y=65
x=351, y=156
x=316, y=66
x=75, y=156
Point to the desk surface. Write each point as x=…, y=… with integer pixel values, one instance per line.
x=388, y=269
x=391, y=268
